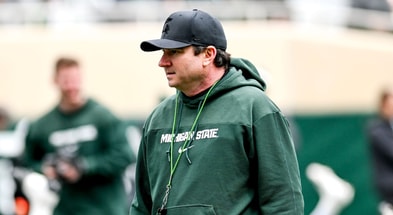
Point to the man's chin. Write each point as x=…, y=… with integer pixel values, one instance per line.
x=171, y=84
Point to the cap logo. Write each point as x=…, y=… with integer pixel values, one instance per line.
x=165, y=29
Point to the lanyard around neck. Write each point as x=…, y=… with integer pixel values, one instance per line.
x=173, y=165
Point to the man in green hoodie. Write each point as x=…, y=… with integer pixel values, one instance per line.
x=81, y=147
x=220, y=145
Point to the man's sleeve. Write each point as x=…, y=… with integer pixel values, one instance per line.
x=142, y=202
x=381, y=139
x=33, y=152
x=279, y=186
x=116, y=153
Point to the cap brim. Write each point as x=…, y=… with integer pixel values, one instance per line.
x=154, y=45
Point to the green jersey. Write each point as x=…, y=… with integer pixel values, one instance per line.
x=97, y=139
x=229, y=149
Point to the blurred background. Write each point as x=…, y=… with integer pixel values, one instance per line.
x=325, y=63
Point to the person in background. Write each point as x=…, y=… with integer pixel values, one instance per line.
x=219, y=145
x=81, y=147
x=380, y=137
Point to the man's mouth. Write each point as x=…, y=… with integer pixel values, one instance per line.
x=170, y=73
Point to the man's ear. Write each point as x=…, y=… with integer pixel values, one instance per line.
x=210, y=53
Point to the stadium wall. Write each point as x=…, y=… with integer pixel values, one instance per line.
x=309, y=69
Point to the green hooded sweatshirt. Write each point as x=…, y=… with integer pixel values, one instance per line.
x=95, y=138
x=239, y=157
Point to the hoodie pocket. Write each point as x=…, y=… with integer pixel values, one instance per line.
x=194, y=209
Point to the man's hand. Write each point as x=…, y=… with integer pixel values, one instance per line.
x=49, y=171
x=68, y=171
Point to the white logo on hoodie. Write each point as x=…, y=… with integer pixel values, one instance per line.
x=73, y=135
x=199, y=135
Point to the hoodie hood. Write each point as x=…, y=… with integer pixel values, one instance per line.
x=241, y=72
x=248, y=71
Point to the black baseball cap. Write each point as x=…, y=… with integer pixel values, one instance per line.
x=185, y=28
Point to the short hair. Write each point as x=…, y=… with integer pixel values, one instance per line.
x=65, y=62
x=222, y=58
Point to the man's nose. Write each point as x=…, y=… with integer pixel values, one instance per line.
x=164, y=61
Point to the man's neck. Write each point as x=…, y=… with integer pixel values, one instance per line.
x=209, y=81
x=67, y=106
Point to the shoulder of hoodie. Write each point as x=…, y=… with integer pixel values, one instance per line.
x=92, y=105
x=102, y=112
x=253, y=96
x=99, y=107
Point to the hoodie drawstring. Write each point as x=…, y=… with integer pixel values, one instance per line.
x=189, y=145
